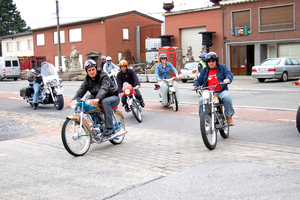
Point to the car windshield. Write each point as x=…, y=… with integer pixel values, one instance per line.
x=270, y=62
x=189, y=66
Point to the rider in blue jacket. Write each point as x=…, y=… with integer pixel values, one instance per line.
x=211, y=75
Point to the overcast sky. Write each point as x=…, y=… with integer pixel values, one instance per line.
x=41, y=13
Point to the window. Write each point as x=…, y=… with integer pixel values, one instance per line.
x=15, y=63
x=29, y=43
x=295, y=62
x=241, y=18
x=19, y=48
x=9, y=46
x=40, y=39
x=277, y=18
x=62, y=37
x=75, y=35
x=7, y=63
x=125, y=34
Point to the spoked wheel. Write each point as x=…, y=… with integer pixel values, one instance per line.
x=58, y=101
x=119, y=126
x=76, y=143
x=135, y=108
x=208, y=135
x=298, y=119
x=225, y=132
x=174, y=102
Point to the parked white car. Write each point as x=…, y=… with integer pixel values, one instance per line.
x=189, y=72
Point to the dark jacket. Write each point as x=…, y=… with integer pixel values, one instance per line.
x=101, y=87
x=39, y=78
x=129, y=77
x=222, y=73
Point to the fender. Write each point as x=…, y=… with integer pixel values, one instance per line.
x=119, y=112
x=77, y=117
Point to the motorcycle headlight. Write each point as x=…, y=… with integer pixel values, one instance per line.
x=53, y=82
x=205, y=94
x=73, y=104
x=48, y=84
x=170, y=83
x=127, y=91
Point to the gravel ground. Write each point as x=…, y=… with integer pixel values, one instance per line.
x=19, y=125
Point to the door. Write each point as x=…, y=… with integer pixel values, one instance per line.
x=238, y=60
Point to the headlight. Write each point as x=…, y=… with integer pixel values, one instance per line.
x=73, y=104
x=205, y=94
x=127, y=91
x=170, y=83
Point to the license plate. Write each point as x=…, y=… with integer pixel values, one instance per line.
x=8, y=73
x=186, y=76
x=261, y=70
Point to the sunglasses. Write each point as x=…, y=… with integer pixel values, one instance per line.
x=211, y=61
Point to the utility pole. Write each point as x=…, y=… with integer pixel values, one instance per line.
x=58, y=39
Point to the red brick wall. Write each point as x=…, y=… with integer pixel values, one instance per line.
x=211, y=19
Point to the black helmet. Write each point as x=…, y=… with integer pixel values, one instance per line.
x=89, y=63
x=163, y=55
x=211, y=56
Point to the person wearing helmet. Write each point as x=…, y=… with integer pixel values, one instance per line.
x=102, y=90
x=108, y=66
x=37, y=85
x=210, y=76
x=129, y=76
x=201, y=64
x=103, y=61
x=162, y=71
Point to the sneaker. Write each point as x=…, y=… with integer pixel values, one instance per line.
x=230, y=121
x=142, y=103
x=126, y=108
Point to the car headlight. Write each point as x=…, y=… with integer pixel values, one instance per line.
x=127, y=91
x=205, y=94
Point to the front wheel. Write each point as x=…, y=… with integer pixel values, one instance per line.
x=119, y=126
x=58, y=102
x=174, y=102
x=298, y=119
x=75, y=142
x=209, y=136
x=136, y=111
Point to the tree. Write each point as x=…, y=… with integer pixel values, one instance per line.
x=10, y=19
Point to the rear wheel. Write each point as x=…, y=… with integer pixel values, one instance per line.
x=261, y=80
x=58, y=102
x=119, y=126
x=76, y=143
x=184, y=80
x=174, y=102
x=16, y=78
x=136, y=111
x=224, y=132
x=298, y=119
x=284, y=77
x=209, y=136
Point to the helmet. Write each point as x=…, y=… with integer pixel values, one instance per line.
x=163, y=55
x=89, y=64
x=122, y=63
x=203, y=56
x=212, y=56
x=108, y=58
x=103, y=57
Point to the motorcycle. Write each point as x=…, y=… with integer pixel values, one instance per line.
x=87, y=125
x=113, y=76
x=298, y=111
x=212, y=119
x=171, y=88
x=132, y=101
x=50, y=91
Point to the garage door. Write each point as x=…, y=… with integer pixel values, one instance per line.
x=289, y=50
x=190, y=37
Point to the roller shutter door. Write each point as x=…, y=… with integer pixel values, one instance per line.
x=289, y=50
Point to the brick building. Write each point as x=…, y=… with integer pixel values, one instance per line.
x=111, y=36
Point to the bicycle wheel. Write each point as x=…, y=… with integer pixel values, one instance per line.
x=136, y=111
x=208, y=135
x=76, y=143
x=119, y=126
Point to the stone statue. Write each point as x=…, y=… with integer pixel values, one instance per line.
x=189, y=55
x=72, y=62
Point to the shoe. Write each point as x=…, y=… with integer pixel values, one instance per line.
x=35, y=106
x=109, y=132
x=142, y=103
x=126, y=108
x=230, y=121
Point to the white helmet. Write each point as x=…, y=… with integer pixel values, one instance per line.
x=108, y=58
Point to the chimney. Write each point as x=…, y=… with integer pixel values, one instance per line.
x=166, y=40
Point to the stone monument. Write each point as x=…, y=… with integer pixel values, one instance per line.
x=189, y=55
x=72, y=61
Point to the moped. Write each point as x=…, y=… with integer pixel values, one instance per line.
x=86, y=126
x=212, y=119
x=132, y=101
x=169, y=87
x=298, y=111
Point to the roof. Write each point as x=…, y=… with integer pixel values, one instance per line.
x=99, y=19
x=190, y=10
x=236, y=2
x=17, y=34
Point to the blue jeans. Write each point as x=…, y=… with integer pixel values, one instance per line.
x=225, y=98
x=107, y=104
x=36, y=88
